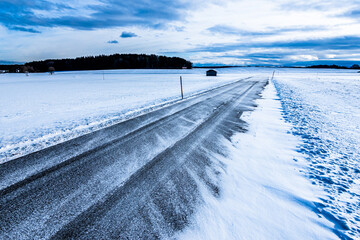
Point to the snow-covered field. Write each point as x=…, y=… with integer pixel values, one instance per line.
x=40, y=110
x=323, y=106
x=294, y=175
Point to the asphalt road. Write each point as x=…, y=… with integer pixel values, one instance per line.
x=137, y=179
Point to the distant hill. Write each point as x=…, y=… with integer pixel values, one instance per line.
x=115, y=61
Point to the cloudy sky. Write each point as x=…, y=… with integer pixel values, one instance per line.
x=232, y=32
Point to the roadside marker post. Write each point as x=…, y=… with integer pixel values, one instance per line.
x=182, y=94
x=273, y=75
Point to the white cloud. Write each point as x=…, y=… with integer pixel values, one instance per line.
x=284, y=21
x=303, y=57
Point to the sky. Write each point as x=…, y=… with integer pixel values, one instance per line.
x=206, y=32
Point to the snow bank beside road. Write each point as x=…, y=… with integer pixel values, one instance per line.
x=322, y=105
x=264, y=196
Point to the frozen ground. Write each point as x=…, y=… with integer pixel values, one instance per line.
x=323, y=108
x=293, y=175
x=265, y=195
x=40, y=110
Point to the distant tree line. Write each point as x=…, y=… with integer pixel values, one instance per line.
x=11, y=68
x=354, y=66
x=115, y=61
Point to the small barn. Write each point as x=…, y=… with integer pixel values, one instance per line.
x=211, y=72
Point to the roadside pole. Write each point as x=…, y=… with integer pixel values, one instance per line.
x=273, y=75
x=182, y=94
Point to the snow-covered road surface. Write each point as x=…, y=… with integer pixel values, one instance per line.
x=135, y=179
x=41, y=110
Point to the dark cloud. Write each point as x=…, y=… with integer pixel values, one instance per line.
x=128, y=35
x=310, y=5
x=22, y=29
x=179, y=29
x=110, y=13
x=355, y=14
x=113, y=42
x=323, y=62
x=337, y=43
x=283, y=52
x=277, y=59
x=324, y=7
x=224, y=29
x=266, y=56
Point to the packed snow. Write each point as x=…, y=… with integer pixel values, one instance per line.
x=40, y=110
x=265, y=195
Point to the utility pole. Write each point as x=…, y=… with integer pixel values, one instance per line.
x=182, y=94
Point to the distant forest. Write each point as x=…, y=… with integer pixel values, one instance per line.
x=354, y=66
x=115, y=61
